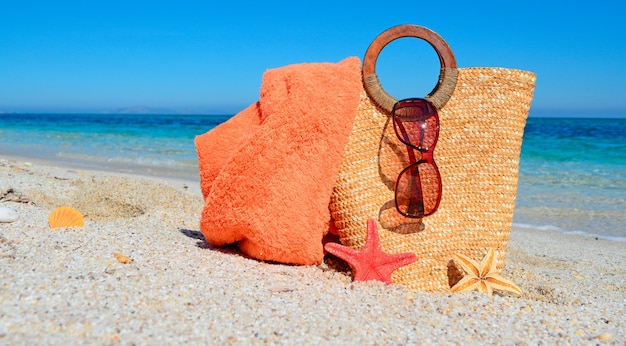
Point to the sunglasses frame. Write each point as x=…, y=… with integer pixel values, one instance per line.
x=426, y=157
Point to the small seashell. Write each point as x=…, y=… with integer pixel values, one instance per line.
x=605, y=337
x=121, y=258
x=8, y=215
x=65, y=217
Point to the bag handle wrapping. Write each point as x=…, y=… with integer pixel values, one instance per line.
x=447, y=76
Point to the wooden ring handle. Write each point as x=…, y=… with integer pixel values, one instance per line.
x=447, y=76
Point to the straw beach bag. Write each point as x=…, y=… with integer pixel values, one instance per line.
x=482, y=113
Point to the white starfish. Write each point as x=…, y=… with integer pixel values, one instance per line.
x=482, y=276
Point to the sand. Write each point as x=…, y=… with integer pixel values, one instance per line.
x=66, y=286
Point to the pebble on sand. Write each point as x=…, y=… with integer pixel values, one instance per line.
x=8, y=215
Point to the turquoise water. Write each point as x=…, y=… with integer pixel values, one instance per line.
x=573, y=176
x=572, y=171
x=154, y=144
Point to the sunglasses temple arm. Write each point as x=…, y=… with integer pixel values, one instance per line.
x=417, y=199
x=416, y=203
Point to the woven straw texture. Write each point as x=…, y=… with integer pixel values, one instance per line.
x=478, y=151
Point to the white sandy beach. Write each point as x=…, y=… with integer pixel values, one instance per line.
x=65, y=286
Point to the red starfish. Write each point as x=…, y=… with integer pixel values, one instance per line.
x=371, y=262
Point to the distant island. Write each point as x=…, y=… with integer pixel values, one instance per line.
x=142, y=110
x=139, y=110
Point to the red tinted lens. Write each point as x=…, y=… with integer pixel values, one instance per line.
x=418, y=190
x=416, y=123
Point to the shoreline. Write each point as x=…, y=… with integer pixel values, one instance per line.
x=132, y=170
x=550, y=228
x=67, y=286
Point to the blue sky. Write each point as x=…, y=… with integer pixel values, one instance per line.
x=199, y=57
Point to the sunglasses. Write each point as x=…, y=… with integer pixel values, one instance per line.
x=418, y=188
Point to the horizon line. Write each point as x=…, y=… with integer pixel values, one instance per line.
x=144, y=110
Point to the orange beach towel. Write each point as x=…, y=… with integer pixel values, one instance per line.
x=267, y=173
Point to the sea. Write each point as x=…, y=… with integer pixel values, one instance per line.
x=153, y=144
x=572, y=170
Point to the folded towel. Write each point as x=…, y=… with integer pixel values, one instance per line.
x=267, y=174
